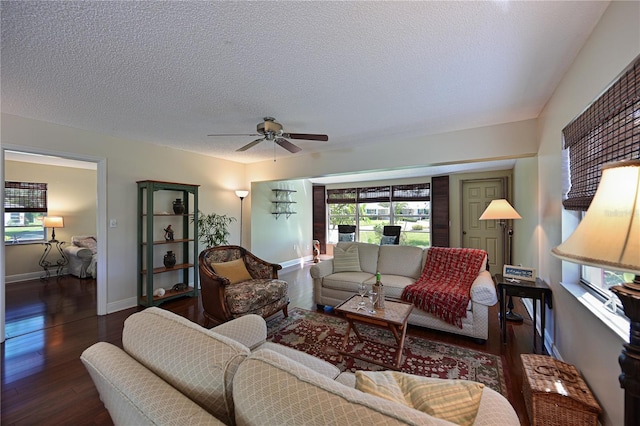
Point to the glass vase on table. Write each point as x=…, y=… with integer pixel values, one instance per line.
x=362, y=291
x=373, y=298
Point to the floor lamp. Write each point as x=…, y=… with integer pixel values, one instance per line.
x=241, y=193
x=608, y=237
x=502, y=211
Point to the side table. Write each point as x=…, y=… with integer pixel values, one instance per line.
x=59, y=263
x=538, y=290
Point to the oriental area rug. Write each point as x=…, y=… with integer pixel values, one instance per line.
x=321, y=335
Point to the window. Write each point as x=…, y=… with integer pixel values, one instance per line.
x=25, y=205
x=371, y=208
x=608, y=130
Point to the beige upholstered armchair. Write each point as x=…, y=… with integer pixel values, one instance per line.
x=234, y=282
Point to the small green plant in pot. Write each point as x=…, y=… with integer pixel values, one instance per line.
x=213, y=229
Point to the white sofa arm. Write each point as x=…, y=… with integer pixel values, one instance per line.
x=250, y=330
x=79, y=252
x=322, y=269
x=483, y=290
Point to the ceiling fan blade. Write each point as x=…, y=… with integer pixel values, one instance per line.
x=307, y=136
x=236, y=134
x=288, y=145
x=249, y=145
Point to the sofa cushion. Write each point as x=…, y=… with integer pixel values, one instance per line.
x=368, y=254
x=235, y=270
x=346, y=281
x=253, y=295
x=196, y=361
x=271, y=389
x=400, y=260
x=346, y=260
x=454, y=400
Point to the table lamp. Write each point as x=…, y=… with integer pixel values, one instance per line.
x=608, y=237
x=53, y=222
x=501, y=210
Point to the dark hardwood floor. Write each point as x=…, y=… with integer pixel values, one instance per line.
x=50, y=323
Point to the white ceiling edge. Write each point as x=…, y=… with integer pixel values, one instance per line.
x=414, y=172
x=49, y=160
x=391, y=174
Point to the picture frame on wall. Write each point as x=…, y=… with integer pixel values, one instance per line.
x=519, y=273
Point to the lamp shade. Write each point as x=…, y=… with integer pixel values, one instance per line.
x=241, y=193
x=500, y=210
x=609, y=234
x=53, y=222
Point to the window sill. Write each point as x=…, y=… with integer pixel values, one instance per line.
x=617, y=323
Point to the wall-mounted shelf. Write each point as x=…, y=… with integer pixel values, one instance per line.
x=283, y=203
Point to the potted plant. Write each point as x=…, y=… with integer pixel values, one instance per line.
x=213, y=229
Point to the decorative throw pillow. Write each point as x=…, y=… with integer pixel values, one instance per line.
x=89, y=243
x=454, y=400
x=388, y=240
x=234, y=270
x=345, y=237
x=346, y=260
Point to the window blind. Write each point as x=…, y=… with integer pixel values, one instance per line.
x=607, y=131
x=373, y=194
x=414, y=192
x=341, y=196
x=25, y=197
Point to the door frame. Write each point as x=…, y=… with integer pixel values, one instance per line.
x=101, y=223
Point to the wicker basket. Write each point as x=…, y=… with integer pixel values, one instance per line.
x=555, y=393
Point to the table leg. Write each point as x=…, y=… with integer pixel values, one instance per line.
x=542, y=318
x=535, y=310
x=503, y=320
x=345, y=339
x=401, y=347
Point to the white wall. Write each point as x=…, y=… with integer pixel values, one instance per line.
x=511, y=140
x=128, y=162
x=72, y=194
x=579, y=338
x=281, y=240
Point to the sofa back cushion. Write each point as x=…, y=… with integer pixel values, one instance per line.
x=367, y=253
x=272, y=389
x=405, y=261
x=198, y=362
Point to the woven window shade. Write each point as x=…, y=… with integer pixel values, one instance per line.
x=607, y=131
x=25, y=197
x=341, y=196
x=380, y=194
x=414, y=192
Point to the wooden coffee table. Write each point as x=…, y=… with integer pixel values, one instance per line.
x=393, y=317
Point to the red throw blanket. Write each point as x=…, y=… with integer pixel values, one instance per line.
x=444, y=288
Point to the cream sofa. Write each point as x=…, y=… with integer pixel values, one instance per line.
x=400, y=266
x=174, y=372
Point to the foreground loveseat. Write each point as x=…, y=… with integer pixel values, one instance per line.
x=174, y=372
x=399, y=267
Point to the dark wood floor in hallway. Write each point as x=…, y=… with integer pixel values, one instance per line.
x=50, y=323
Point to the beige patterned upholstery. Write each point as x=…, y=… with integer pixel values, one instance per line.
x=146, y=399
x=399, y=267
x=175, y=372
x=264, y=294
x=198, y=362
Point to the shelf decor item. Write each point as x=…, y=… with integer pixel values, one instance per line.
x=169, y=259
x=178, y=206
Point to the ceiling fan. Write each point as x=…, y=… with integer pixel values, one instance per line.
x=271, y=130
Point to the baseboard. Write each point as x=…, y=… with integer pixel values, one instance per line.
x=32, y=276
x=295, y=263
x=121, y=305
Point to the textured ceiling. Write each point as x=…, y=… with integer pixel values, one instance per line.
x=364, y=73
